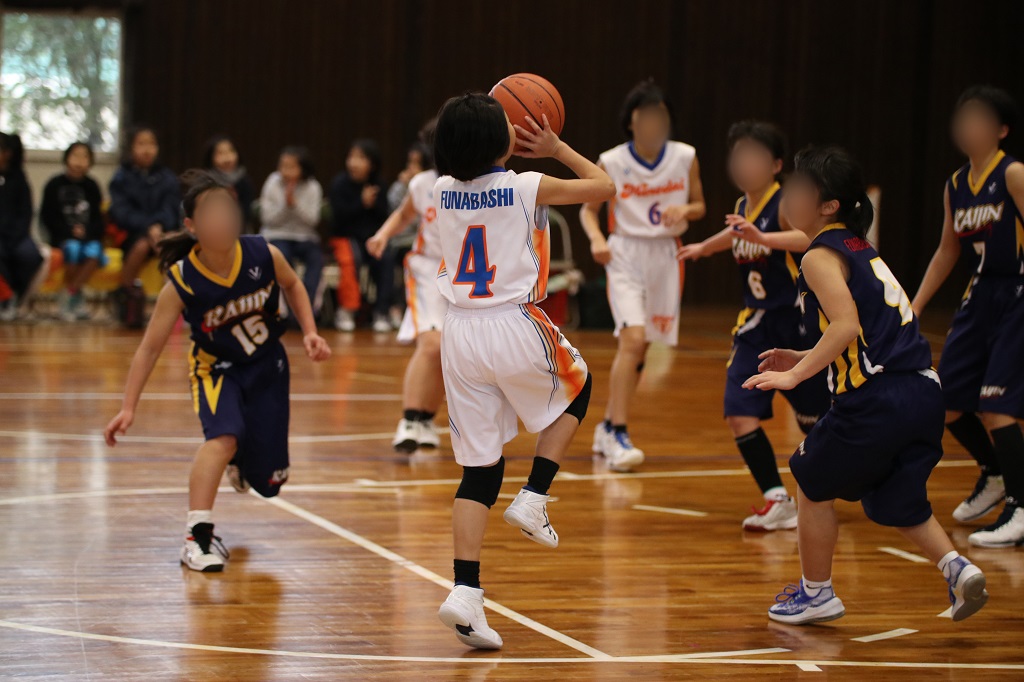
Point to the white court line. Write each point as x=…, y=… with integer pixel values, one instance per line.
x=916, y=558
x=194, y=440
x=669, y=510
x=948, y=613
x=385, y=553
x=692, y=659
x=888, y=634
x=130, y=492
x=299, y=397
x=808, y=667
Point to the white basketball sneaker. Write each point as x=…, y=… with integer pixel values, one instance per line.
x=988, y=493
x=1007, y=531
x=203, y=551
x=967, y=592
x=776, y=515
x=428, y=436
x=621, y=454
x=407, y=436
x=463, y=612
x=602, y=434
x=529, y=513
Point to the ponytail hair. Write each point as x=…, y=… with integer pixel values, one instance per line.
x=839, y=177
x=174, y=247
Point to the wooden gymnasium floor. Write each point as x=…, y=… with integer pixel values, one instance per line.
x=341, y=577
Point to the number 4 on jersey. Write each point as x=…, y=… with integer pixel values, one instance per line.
x=474, y=268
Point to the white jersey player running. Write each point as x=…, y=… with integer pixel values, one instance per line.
x=502, y=356
x=658, y=193
x=422, y=389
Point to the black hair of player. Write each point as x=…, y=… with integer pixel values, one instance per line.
x=211, y=149
x=129, y=141
x=302, y=156
x=999, y=101
x=425, y=143
x=838, y=176
x=371, y=150
x=195, y=183
x=75, y=145
x=471, y=134
x=644, y=94
x=11, y=142
x=768, y=135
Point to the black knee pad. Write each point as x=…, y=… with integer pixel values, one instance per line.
x=482, y=484
x=578, y=407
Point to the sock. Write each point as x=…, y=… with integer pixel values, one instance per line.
x=944, y=563
x=777, y=494
x=541, y=475
x=607, y=424
x=411, y=415
x=1008, y=443
x=619, y=428
x=759, y=455
x=812, y=588
x=467, y=573
x=197, y=516
x=970, y=432
x=426, y=416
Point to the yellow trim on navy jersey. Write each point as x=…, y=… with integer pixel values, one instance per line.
x=202, y=366
x=176, y=274
x=829, y=228
x=956, y=178
x=193, y=257
x=742, y=319
x=739, y=202
x=1020, y=238
x=976, y=186
x=794, y=269
x=751, y=216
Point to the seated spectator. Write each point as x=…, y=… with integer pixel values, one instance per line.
x=21, y=261
x=358, y=209
x=222, y=159
x=290, y=206
x=70, y=212
x=145, y=200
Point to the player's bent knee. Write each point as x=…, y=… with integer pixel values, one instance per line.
x=952, y=417
x=226, y=444
x=482, y=484
x=578, y=407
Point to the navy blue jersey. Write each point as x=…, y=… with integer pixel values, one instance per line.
x=890, y=339
x=233, y=320
x=769, y=277
x=986, y=219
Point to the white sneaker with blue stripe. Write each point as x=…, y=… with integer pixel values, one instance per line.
x=621, y=454
x=795, y=607
x=967, y=592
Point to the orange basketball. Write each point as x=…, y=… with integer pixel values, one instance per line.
x=527, y=94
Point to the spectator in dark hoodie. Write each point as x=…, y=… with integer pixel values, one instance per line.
x=71, y=214
x=359, y=206
x=223, y=161
x=145, y=200
x=20, y=257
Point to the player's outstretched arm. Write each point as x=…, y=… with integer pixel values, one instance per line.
x=590, y=219
x=786, y=240
x=593, y=184
x=716, y=243
x=396, y=222
x=825, y=274
x=298, y=302
x=165, y=316
x=942, y=263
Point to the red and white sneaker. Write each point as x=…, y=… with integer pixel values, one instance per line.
x=776, y=515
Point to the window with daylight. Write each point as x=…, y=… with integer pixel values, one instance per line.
x=60, y=79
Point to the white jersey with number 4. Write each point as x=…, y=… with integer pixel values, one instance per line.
x=643, y=190
x=494, y=239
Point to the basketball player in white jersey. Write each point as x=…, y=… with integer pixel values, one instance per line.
x=423, y=388
x=658, y=193
x=502, y=356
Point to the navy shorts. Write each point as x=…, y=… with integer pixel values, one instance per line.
x=249, y=402
x=878, y=444
x=982, y=364
x=760, y=330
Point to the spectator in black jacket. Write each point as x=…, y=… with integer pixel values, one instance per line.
x=20, y=258
x=71, y=213
x=144, y=201
x=358, y=208
x=223, y=160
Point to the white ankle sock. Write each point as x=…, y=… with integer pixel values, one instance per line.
x=778, y=494
x=945, y=561
x=812, y=588
x=198, y=516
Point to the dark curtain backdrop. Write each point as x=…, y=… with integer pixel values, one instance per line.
x=878, y=76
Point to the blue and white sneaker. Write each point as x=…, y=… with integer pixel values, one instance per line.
x=602, y=438
x=621, y=454
x=967, y=592
x=794, y=606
